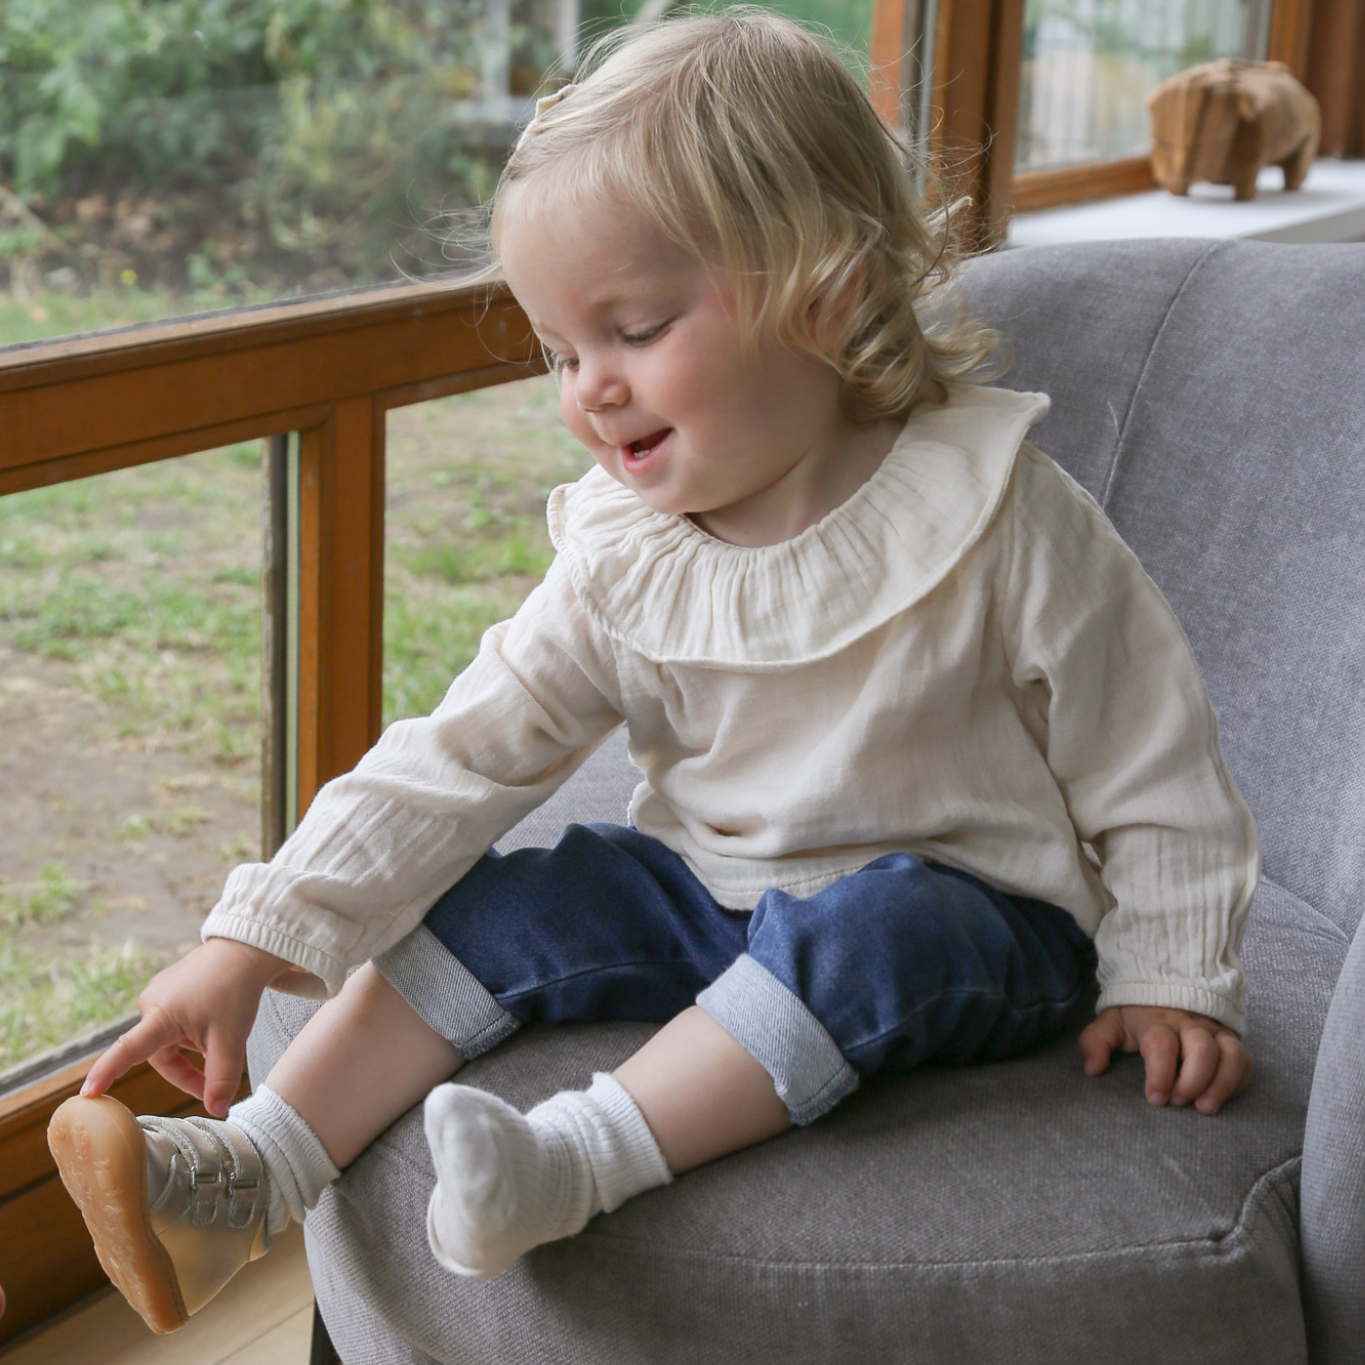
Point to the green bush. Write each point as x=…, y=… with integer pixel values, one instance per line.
x=263, y=137
x=248, y=147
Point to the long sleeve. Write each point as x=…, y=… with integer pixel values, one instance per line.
x=379, y=845
x=1114, y=698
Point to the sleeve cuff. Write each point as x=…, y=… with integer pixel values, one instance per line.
x=1175, y=996
x=317, y=975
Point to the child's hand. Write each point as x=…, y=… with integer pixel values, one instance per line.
x=206, y=1001
x=1212, y=1063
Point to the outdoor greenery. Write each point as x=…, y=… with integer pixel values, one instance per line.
x=143, y=587
x=215, y=151
x=241, y=143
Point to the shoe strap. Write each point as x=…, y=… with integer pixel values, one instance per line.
x=226, y=1176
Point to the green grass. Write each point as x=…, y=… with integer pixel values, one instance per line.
x=466, y=537
x=427, y=642
x=47, y=315
x=145, y=584
x=48, y=899
x=47, y=999
x=148, y=582
x=478, y=562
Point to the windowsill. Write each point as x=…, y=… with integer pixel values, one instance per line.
x=1328, y=207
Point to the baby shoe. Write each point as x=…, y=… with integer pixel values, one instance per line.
x=176, y=1207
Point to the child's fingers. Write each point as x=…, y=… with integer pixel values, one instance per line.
x=1098, y=1041
x=155, y=1031
x=224, y=1061
x=1234, y=1072
x=179, y=1070
x=1160, y=1049
x=1199, y=1059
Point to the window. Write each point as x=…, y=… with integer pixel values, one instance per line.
x=1039, y=102
x=1088, y=66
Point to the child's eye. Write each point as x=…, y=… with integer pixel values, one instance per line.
x=643, y=337
x=560, y=363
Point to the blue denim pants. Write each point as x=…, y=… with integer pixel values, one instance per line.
x=899, y=963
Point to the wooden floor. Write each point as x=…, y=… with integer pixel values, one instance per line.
x=264, y=1317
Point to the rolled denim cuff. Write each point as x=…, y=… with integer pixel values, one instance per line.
x=781, y=1034
x=445, y=993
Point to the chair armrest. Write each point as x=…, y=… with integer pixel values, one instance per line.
x=1332, y=1203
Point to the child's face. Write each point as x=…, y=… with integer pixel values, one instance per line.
x=657, y=382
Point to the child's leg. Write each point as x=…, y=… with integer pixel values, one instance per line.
x=360, y=1063
x=895, y=965
x=701, y=1092
x=176, y=1207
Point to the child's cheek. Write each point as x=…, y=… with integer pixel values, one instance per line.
x=574, y=418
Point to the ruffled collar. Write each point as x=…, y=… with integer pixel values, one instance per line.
x=673, y=593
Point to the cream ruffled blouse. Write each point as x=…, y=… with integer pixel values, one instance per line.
x=962, y=661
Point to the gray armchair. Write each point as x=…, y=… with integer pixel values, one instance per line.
x=1212, y=397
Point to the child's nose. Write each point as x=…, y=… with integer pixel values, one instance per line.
x=600, y=384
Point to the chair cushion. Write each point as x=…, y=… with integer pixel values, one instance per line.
x=1014, y=1211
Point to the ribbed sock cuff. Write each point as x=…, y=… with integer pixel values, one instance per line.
x=297, y=1165
x=626, y=1159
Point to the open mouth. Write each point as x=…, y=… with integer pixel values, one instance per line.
x=640, y=450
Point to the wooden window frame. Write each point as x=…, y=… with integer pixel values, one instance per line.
x=330, y=370
x=978, y=49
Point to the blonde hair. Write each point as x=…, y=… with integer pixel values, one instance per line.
x=744, y=140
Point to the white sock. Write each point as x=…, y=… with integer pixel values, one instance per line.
x=506, y=1182
x=297, y=1167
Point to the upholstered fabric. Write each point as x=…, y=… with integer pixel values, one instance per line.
x=1211, y=395
x=1333, y=1247
x=966, y=1206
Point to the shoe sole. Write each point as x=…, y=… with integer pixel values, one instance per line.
x=102, y=1157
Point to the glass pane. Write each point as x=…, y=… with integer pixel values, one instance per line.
x=1089, y=65
x=465, y=537
x=160, y=159
x=130, y=676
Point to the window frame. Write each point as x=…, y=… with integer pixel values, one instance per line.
x=328, y=369
x=978, y=49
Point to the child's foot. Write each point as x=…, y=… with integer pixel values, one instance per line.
x=176, y=1207
x=506, y=1182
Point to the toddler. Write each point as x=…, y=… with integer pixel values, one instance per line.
x=922, y=746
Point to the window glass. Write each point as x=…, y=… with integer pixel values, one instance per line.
x=130, y=682
x=465, y=537
x=165, y=157
x=1089, y=65
x=162, y=158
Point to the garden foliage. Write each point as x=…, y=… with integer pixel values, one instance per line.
x=252, y=138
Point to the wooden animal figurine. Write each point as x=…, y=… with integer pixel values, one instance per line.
x=1224, y=120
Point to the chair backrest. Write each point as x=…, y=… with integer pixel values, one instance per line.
x=1211, y=396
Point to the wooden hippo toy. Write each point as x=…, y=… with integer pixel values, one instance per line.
x=1224, y=120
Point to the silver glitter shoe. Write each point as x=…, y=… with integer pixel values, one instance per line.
x=176, y=1207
